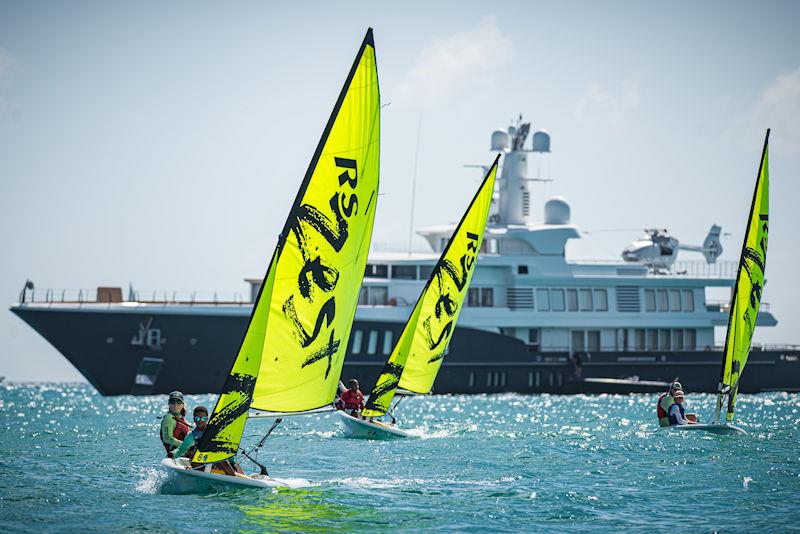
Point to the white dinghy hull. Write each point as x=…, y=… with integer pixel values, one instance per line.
x=724, y=430
x=180, y=472
x=363, y=429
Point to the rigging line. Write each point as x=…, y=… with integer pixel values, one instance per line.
x=414, y=185
x=259, y=445
x=389, y=413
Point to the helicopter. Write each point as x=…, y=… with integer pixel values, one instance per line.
x=658, y=250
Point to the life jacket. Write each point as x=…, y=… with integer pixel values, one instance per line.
x=659, y=410
x=672, y=419
x=350, y=400
x=179, y=432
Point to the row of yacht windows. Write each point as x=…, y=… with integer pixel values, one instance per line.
x=368, y=342
x=668, y=300
x=666, y=339
x=571, y=299
x=398, y=272
x=497, y=379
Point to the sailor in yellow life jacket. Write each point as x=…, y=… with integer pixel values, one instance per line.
x=664, y=402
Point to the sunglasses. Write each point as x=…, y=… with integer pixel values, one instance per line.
x=175, y=401
x=198, y=418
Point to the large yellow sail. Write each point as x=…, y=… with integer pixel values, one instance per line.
x=746, y=298
x=417, y=356
x=292, y=353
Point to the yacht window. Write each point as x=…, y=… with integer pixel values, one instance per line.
x=378, y=295
x=487, y=297
x=577, y=340
x=687, y=300
x=358, y=338
x=425, y=271
x=690, y=339
x=650, y=300
x=593, y=340
x=538, y=379
x=530, y=380
x=377, y=270
x=652, y=339
x=503, y=379
x=640, y=339
x=522, y=269
x=600, y=300
x=443, y=244
x=533, y=338
x=572, y=300
x=372, y=342
x=674, y=300
x=387, y=342
x=543, y=300
x=557, y=296
x=472, y=379
x=363, y=296
x=585, y=299
x=493, y=246
x=664, y=340
x=677, y=339
x=473, y=297
x=404, y=272
x=622, y=339
x=663, y=300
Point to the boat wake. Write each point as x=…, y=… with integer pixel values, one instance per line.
x=151, y=480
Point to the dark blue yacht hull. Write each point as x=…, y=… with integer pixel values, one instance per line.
x=123, y=353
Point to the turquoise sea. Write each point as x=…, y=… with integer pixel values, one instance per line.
x=75, y=461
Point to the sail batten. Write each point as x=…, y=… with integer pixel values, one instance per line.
x=418, y=353
x=293, y=350
x=747, y=291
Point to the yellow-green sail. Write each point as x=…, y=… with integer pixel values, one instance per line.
x=417, y=356
x=746, y=297
x=292, y=353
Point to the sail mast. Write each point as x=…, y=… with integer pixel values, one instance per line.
x=747, y=291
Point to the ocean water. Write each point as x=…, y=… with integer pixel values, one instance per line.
x=75, y=461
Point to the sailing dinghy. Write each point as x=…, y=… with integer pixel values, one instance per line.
x=291, y=356
x=418, y=353
x=745, y=302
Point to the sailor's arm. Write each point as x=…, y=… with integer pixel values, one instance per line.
x=167, y=428
x=188, y=441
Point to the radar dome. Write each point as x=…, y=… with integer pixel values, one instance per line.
x=541, y=141
x=500, y=140
x=556, y=211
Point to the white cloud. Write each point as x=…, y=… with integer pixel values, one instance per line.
x=778, y=107
x=611, y=106
x=459, y=64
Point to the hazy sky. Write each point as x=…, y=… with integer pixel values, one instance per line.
x=163, y=143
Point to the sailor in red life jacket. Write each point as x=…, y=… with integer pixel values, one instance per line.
x=174, y=426
x=351, y=400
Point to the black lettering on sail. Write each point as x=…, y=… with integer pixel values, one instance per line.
x=334, y=233
x=459, y=278
x=346, y=163
x=446, y=304
x=432, y=344
x=326, y=313
x=473, y=244
x=324, y=277
x=328, y=351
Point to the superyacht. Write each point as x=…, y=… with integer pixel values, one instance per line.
x=534, y=322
